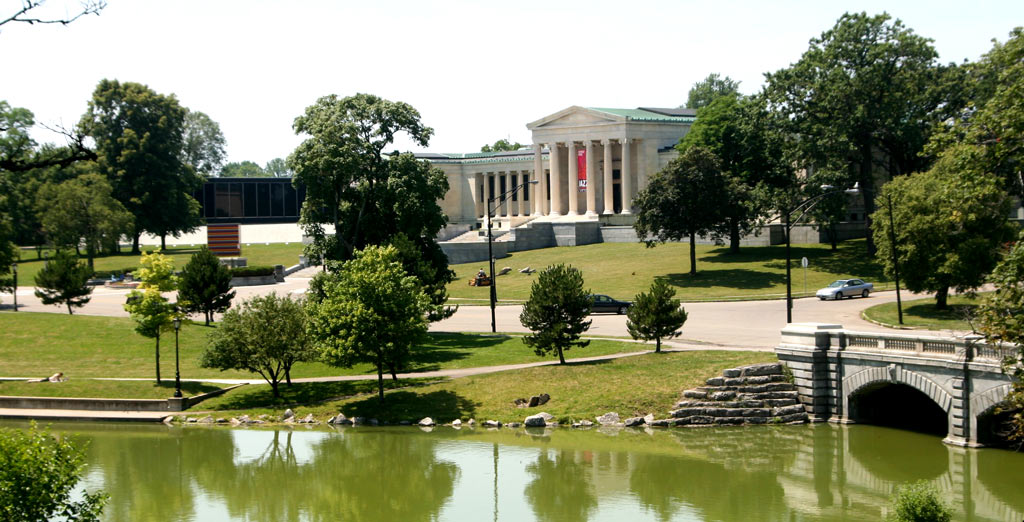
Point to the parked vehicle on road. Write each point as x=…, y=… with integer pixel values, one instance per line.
x=845, y=288
x=603, y=303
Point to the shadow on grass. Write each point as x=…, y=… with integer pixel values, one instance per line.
x=305, y=393
x=189, y=388
x=928, y=311
x=851, y=259
x=442, y=406
x=444, y=347
x=739, y=278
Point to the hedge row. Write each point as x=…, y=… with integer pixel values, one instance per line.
x=252, y=271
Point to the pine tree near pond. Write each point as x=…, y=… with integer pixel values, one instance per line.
x=63, y=280
x=205, y=285
x=556, y=312
x=265, y=335
x=656, y=315
x=370, y=310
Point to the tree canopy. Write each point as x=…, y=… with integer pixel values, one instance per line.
x=139, y=137
x=83, y=211
x=243, y=169
x=655, y=315
x=682, y=201
x=371, y=311
x=205, y=285
x=203, y=143
x=502, y=145
x=62, y=281
x=709, y=89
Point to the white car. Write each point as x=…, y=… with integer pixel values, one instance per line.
x=845, y=288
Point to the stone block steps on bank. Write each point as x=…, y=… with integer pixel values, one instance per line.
x=755, y=394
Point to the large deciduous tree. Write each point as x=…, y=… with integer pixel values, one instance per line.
x=368, y=197
x=709, y=89
x=63, y=281
x=139, y=141
x=83, y=211
x=502, y=145
x=684, y=200
x=265, y=335
x=205, y=285
x=243, y=169
x=746, y=139
x=655, y=315
x=950, y=223
x=203, y=144
x=861, y=100
x=277, y=168
x=556, y=311
x=39, y=475
x=371, y=310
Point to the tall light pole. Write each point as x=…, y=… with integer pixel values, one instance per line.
x=490, y=241
x=14, y=291
x=895, y=258
x=177, y=366
x=805, y=206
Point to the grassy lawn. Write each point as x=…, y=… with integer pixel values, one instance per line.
x=80, y=346
x=105, y=389
x=622, y=270
x=921, y=313
x=630, y=386
x=257, y=254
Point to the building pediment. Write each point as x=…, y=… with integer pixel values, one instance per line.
x=575, y=116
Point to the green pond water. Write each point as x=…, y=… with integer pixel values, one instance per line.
x=791, y=473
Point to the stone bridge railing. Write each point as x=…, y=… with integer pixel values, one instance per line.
x=831, y=365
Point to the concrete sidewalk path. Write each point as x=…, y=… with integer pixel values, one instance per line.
x=83, y=415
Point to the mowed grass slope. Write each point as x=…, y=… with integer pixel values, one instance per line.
x=922, y=313
x=80, y=346
x=257, y=254
x=638, y=385
x=622, y=270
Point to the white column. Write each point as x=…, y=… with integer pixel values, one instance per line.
x=474, y=192
x=627, y=175
x=487, y=195
x=591, y=179
x=538, y=174
x=571, y=181
x=502, y=189
x=555, y=159
x=649, y=153
x=521, y=193
x=609, y=196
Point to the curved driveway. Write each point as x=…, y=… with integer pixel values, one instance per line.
x=739, y=324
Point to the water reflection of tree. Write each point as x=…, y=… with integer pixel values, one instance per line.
x=353, y=476
x=561, y=488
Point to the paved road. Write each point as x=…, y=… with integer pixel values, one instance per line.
x=745, y=324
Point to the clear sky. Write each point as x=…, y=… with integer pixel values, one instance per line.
x=476, y=71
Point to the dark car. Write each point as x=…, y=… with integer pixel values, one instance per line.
x=603, y=303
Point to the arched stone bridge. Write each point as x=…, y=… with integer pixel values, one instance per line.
x=836, y=369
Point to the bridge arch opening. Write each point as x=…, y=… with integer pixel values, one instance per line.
x=898, y=406
x=994, y=426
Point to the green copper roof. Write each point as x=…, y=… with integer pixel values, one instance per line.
x=645, y=115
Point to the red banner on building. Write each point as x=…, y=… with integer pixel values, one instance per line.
x=581, y=167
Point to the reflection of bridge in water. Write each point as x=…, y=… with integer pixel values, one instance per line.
x=946, y=386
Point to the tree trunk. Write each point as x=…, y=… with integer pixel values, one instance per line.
x=734, y=236
x=207, y=314
x=832, y=233
x=657, y=345
x=380, y=382
x=868, y=192
x=90, y=253
x=158, y=357
x=135, y=243
x=273, y=387
x=394, y=375
x=163, y=241
x=288, y=374
x=941, y=298
x=561, y=356
x=70, y=312
x=78, y=251
x=693, y=254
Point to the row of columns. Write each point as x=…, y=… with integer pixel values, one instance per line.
x=541, y=203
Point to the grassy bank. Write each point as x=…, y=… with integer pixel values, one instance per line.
x=41, y=344
x=621, y=270
x=922, y=313
x=257, y=254
x=630, y=386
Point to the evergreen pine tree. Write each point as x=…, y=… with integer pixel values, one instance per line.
x=63, y=281
x=205, y=285
x=556, y=311
x=656, y=315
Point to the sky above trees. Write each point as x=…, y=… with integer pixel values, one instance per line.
x=476, y=73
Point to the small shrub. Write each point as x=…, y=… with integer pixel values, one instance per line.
x=919, y=502
x=787, y=373
x=105, y=274
x=252, y=271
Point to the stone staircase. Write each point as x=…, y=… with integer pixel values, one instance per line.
x=755, y=394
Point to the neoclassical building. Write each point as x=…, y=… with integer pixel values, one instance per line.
x=589, y=162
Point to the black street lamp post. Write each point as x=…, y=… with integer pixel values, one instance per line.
x=177, y=366
x=804, y=205
x=490, y=251
x=895, y=258
x=14, y=291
